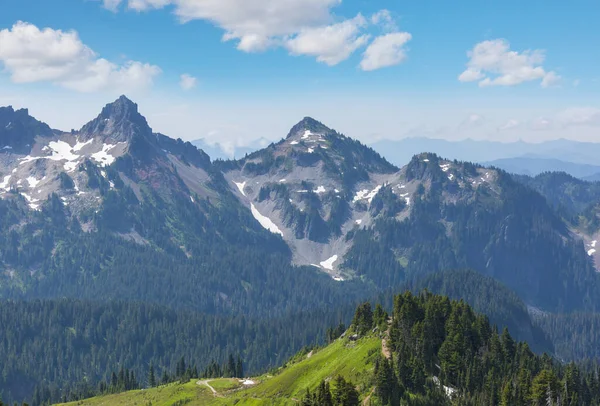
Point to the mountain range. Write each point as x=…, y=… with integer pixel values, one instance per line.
x=578, y=159
x=313, y=223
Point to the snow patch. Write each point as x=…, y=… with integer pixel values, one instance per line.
x=33, y=182
x=591, y=251
x=451, y=176
x=338, y=279
x=328, y=263
x=593, y=244
x=265, y=221
x=366, y=194
x=192, y=199
x=311, y=150
x=241, y=186
x=248, y=382
x=306, y=134
x=103, y=157
x=79, y=145
x=7, y=147
x=294, y=143
x=445, y=167
x=282, y=180
x=359, y=222
x=425, y=160
x=320, y=189
x=4, y=184
x=407, y=199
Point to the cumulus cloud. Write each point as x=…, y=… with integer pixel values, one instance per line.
x=540, y=124
x=331, y=44
x=32, y=55
x=474, y=120
x=187, y=81
x=384, y=19
x=303, y=27
x=510, y=124
x=579, y=116
x=386, y=50
x=492, y=63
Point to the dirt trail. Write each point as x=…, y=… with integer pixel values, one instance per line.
x=206, y=382
x=385, y=350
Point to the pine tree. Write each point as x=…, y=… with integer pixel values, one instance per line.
x=151, y=377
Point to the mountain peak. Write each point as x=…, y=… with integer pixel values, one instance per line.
x=309, y=124
x=119, y=121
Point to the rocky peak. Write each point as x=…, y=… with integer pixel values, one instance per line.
x=18, y=129
x=120, y=121
x=309, y=124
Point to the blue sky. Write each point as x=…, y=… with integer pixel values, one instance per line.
x=372, y=69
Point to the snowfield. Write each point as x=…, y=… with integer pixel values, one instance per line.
x=265, y=221
x=241, y=186
x=328, y=263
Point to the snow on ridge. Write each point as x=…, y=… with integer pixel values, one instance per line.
x=328, y=263
x=4, y=184
x=264, y=221
x=366, y=194
x=33, y=182
x=241, y=186
x=79, y=145
x=103, y=157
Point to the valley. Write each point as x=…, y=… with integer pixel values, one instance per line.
x=310, y=225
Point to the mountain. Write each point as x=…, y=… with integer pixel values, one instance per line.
x=537, y=166
x=316, y=203
x=428, y=351
x=401, y=151
x=344, y=209
x=102, y=213
x=309, y=225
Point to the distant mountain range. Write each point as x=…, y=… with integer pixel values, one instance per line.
x=579, y=159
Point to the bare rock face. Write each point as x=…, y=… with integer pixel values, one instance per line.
x=119, y=121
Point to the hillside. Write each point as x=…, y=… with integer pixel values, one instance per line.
x=352, y=360
x=431, y=351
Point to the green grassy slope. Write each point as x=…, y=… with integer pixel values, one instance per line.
x=353, y=360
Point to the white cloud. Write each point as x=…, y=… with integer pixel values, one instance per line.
x=492, y=63
x=579, y=116
x=510, y=124
x=474, y=120
x=330, y=44
x=540, y=124
x=303, y=27
x=255, y=24
x=112, y=5
x=142, y=5
x=187, y=82
x=384, y=19
x=550, y=79
x=33, y=55
x=386, y=50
